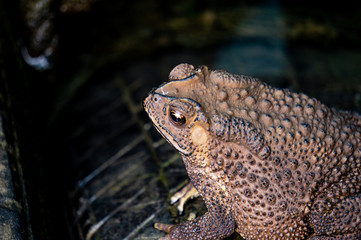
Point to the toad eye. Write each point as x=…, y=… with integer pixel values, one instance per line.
x=177, y=118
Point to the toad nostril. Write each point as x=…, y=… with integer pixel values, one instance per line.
x=155, y=99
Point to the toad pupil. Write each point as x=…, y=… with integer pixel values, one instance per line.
x=177, y=118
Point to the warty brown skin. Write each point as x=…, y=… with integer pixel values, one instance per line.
x=269, y=163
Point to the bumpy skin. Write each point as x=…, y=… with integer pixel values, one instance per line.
x=269, y=163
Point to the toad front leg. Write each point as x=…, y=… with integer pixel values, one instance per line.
x=217, y=223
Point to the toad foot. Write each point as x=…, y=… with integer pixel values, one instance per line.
x=187, y=193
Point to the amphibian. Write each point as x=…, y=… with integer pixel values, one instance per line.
x=269, y=163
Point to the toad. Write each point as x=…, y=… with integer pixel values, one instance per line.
x=269, y=163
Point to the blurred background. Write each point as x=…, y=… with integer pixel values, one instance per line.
x=85, y=161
